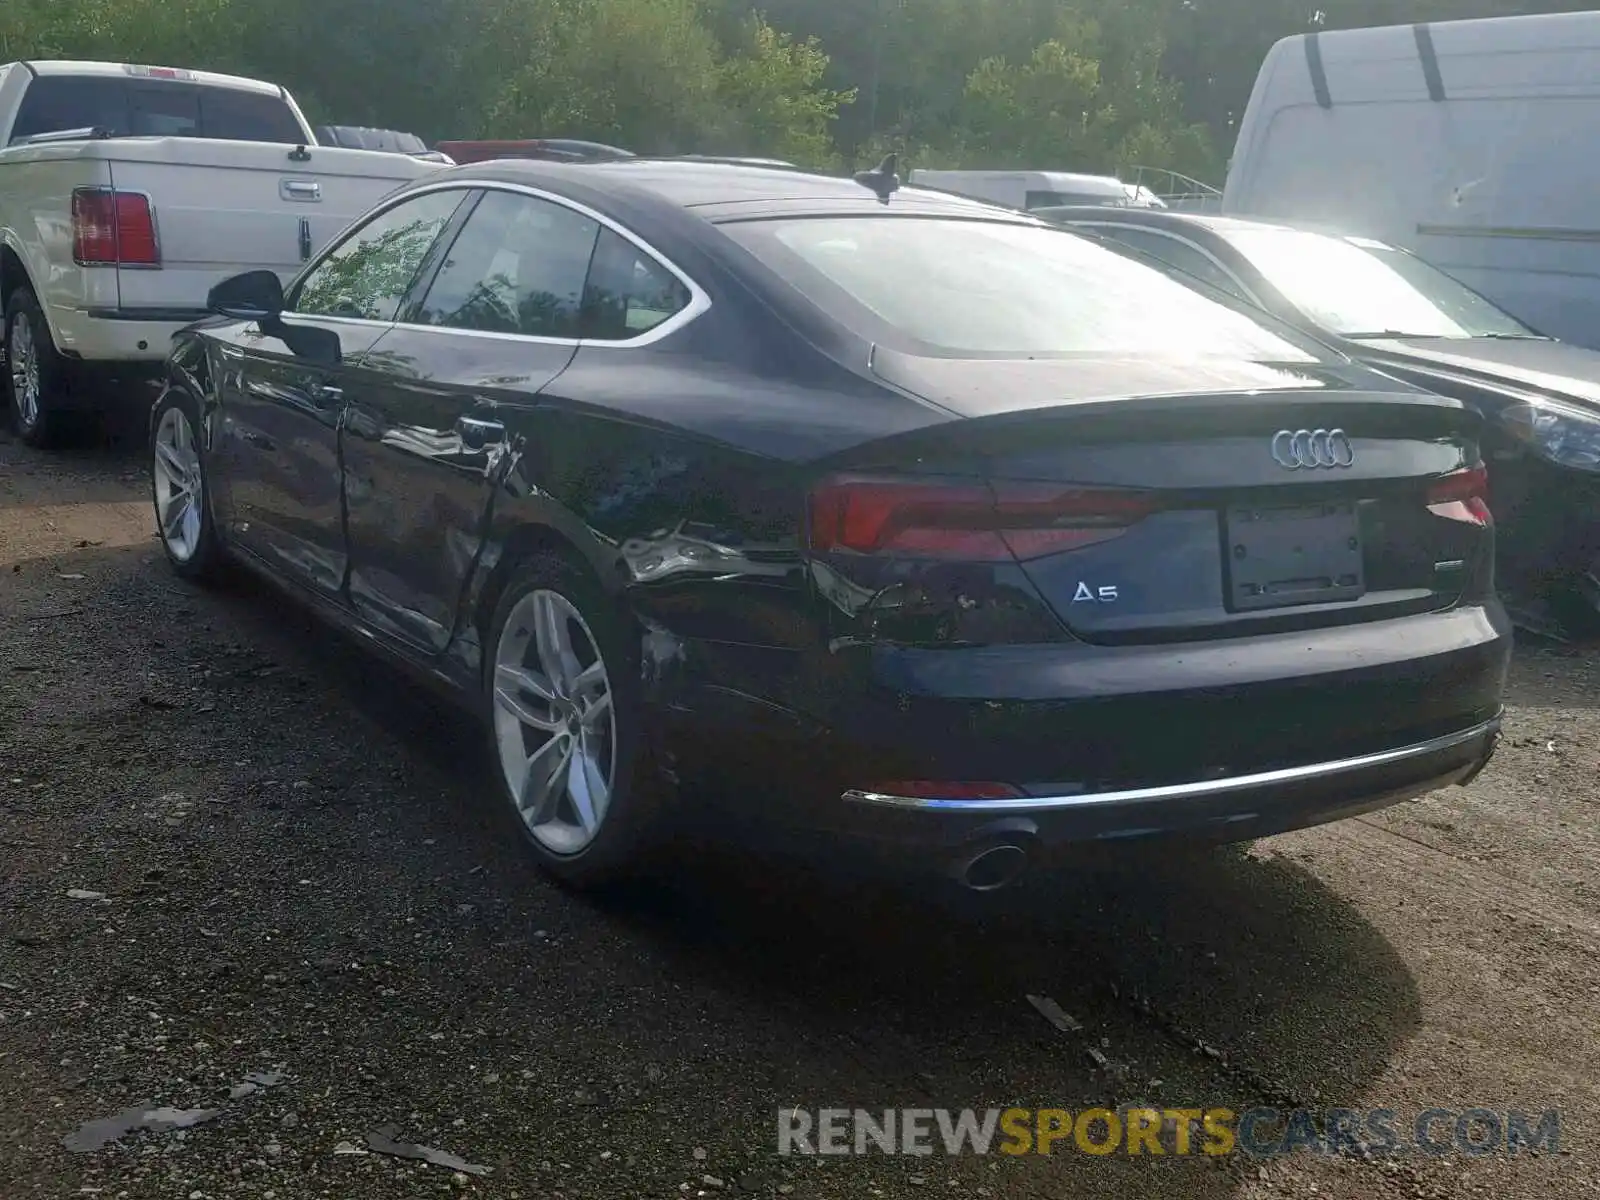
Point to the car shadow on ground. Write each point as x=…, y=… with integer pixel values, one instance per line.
x=1239, y=979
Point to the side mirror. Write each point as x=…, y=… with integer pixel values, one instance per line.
x=252, y=296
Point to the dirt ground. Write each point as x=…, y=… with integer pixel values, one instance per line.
x=305, y=876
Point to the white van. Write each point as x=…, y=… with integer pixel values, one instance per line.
x=1472, y=143
x=1034, y=189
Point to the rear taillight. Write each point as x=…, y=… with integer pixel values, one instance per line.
x=1462, y=496
x=971, y=522
x=113, y=229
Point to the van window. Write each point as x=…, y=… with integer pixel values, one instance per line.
x=1052, y=199
x=152, y=108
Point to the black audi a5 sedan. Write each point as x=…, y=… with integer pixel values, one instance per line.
x=1394, y=311
x=915, y=523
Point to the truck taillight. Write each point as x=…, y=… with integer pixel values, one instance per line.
x=970, y=522
x=113, y=229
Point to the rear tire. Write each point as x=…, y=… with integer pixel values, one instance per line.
x=178, y=489
x=36, y=376
x=566, y=724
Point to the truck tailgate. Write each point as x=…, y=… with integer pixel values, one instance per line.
x=224, y=207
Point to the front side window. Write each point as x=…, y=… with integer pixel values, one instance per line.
x=368, y=274
x=629, y=293
x=1358, y=288
x=518, y=266
x=945, y=286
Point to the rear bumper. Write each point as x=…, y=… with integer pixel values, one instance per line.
x=1203, y=810
x=1203, y=742
x=113, y=335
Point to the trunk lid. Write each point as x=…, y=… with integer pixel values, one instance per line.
x=1214, y=514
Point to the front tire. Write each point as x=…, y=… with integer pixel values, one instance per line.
x=566, y=723
x=36, y=376
x=178, y=489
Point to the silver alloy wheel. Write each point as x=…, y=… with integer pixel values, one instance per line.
x=554, y=722
x=23, y=355
x=180, y=491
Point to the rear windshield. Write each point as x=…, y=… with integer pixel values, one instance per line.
x=158, y=108
x=1365, y=289
x=944, y=286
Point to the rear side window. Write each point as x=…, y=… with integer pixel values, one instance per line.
x=152, y=108
x=367, y=275
x=518, y=266
x=629, y=293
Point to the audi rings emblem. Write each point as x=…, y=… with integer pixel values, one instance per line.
x=1312, y=449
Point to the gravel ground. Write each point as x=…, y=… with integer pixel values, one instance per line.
x=304, y=880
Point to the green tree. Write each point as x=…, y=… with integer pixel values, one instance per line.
x=639, y=73
x=1082, y=101
x=1069, y=84
x=774, y=103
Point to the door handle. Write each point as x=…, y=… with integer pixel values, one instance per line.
x=477, y=433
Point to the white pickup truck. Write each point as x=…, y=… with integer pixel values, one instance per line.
x=126, y=192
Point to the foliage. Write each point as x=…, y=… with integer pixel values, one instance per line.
x=773, y=101
x=1090, y=85
x=620, y=71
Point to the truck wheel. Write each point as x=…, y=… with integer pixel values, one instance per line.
x=35, y=374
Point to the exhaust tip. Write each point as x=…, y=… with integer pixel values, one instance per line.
x=992, y=868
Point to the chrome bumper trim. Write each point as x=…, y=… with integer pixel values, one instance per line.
x=1191, y=791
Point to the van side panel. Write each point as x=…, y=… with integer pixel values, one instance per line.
x=1238, y=189
x=1492, y=182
